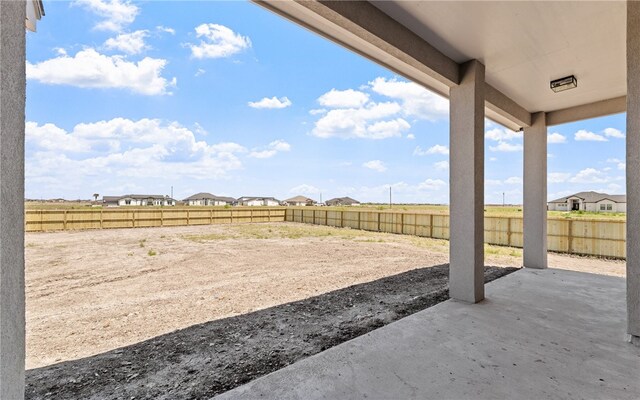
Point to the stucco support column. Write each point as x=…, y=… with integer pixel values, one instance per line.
x=633, y=170
x=12, y=103
x=535, y=193
x=466, y=248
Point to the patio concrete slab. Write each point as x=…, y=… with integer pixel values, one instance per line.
x=540, y=334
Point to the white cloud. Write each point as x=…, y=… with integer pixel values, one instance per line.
x=90, y=69
x=416, y=100
x=317, y=111
x=343, y=99
x=589, y=175
x=217, y=41
x=354, y=114
x=116, y=14
x=432, y=184
x=272, y=149
x=437, y=149
x=305, y=189
x=558, y=177
x=166, y=29
x=555, y=137
x=506, y=147
x=273, y=102
x=126, y=151
x=621, y=165
x=502, y=134
x=614, y=133
x=365, y=123
x=200, y=72
x=583, y=135
x=130, y=43
x=411, y=136
x=493, y=159
x=514, y=180
x=375, y=165
x=441, y=165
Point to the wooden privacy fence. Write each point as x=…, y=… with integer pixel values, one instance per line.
x=53, y=220
x=595, y=237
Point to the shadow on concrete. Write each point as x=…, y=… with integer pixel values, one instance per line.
x=203, y=360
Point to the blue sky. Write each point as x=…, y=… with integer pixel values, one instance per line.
x=228, y=98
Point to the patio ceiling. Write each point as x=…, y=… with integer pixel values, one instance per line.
x=523, y=45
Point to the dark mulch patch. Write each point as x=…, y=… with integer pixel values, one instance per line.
x=207, y=359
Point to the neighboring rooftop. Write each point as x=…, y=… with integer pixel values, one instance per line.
x=593, y=197
x=300, y=199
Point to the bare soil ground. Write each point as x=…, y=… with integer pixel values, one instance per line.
x=238, y=290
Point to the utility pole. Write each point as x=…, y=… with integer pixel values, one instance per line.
x=502, y=199
x=390, y=204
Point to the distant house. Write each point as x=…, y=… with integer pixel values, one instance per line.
x=342, y=201
x=137, y=200
x=258, y=201
x=590, y=201
x=300, y=201
x=208, y=199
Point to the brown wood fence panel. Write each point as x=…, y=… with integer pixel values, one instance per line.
x=598, y=237
x=58, y=220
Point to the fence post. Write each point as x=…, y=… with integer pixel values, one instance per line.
x=188, y=221
x=133, y=219
x=508, y=231
x=232, y=210
x=314, y=216
x=379, y=220
x=430, y=225
x=401, y=223
x=269, y=215
x=251, y=215
x=64, y=221
x=359, y=220
x=211, y=217
x=570, y=239
x=341, y=219
x=101, y=220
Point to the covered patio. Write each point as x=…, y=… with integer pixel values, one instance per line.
x=537, y=333
x=540, y=334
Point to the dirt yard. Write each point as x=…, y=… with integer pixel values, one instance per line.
x=93, y=291
x=190, y=312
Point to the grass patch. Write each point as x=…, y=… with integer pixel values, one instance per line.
x=151, y=253
x=263, y=231
x=142, y=242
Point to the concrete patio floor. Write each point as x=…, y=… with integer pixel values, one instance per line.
x=540, y=334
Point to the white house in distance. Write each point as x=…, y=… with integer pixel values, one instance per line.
x=590, y=201
x=300, y=201
x=258, y=201
x=208, y=199
x=137, y=200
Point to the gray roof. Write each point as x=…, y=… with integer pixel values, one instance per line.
x=209, y=196
x=594, y=197
x=300, y=199
x=343, y=200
